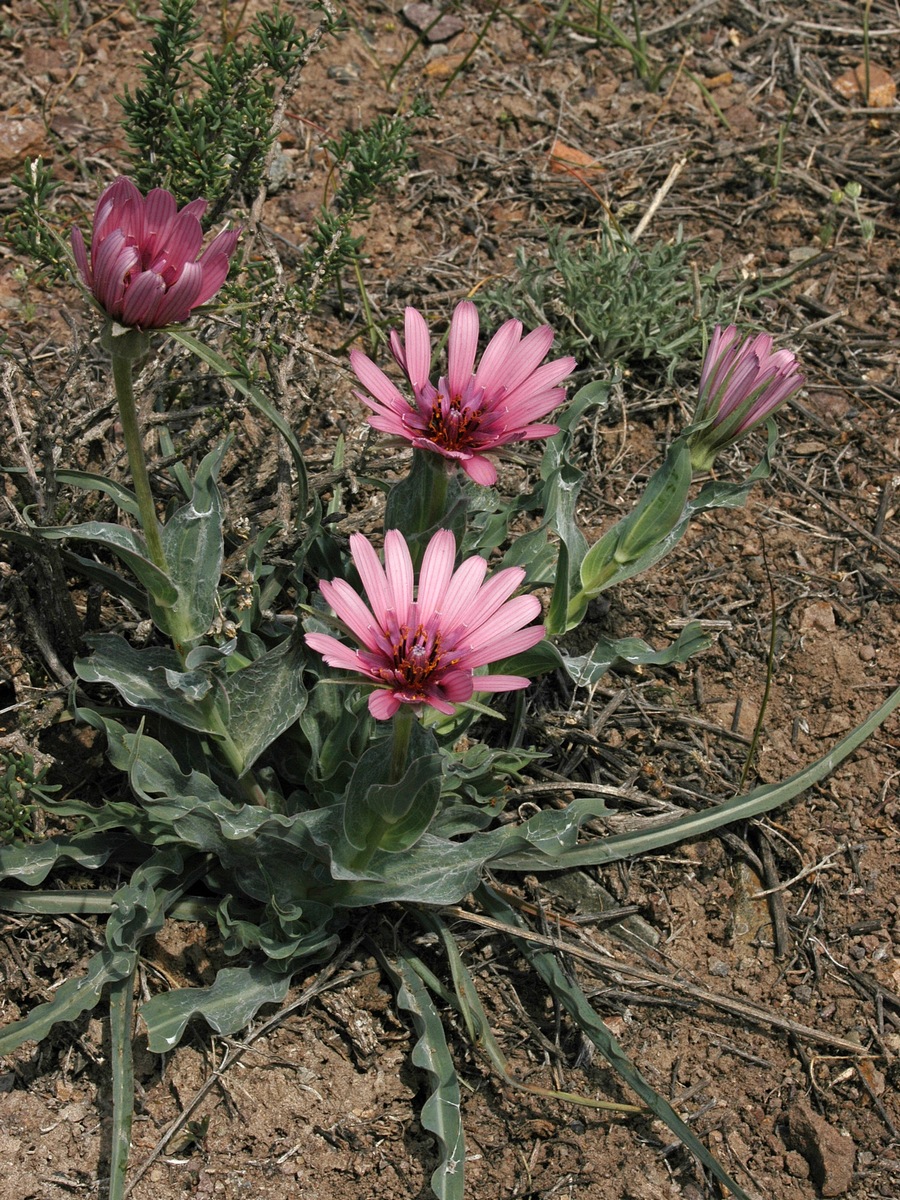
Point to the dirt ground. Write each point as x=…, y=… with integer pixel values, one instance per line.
x=755, y=978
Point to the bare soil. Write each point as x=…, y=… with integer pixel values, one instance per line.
x=755, y=981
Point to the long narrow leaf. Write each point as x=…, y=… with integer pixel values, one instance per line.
x=441, y=1111
x=69, y=1001
x=739, y=808
x=576, y=1003
x=90, y=481
x=225, y=370
x=121, y=1008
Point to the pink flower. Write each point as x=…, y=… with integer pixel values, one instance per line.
x=424, y=650
x=472, y=412
x=741, y=384
x=144, y=269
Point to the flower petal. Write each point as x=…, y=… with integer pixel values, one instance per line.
x=81, y=258
x=435, y=573
x=351, y=610
x=133, y=237
x=383, y=704
x=374, y=581
x=417, y=350
x=376, y=382
x=398, y=568
x=181, y=297
x=462, y=346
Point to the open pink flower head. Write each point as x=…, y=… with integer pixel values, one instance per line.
x=421, y=648
x=741, y=384
x=144, y=270
x=471, y=412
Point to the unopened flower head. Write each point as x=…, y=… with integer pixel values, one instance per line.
x=421, y=646
x=741, y=384
x=471, y=412
x=144, y=271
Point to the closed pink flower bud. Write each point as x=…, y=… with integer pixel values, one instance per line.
x=741, y=384
x=144, y=271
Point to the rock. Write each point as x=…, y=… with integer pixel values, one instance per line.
x=817, y=616
x=434, y=25
x=830, y=1155
x=20, y=138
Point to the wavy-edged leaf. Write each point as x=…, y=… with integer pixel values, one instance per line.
x=150, y=678
x=587, y=669
x=229, y=1004
x=441, y=1111
x=577, y=1004
x=69, y=1001
x=137, y=909
x=32, y=864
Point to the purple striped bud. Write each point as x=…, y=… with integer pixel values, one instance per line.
x=741, y=384
x=144, y=271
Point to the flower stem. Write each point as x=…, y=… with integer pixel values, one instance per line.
x=123, y=357
x=437, y=501
x=403, y=722
x=401, y=734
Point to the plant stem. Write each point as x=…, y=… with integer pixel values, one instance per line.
x=123, y=356
x=401, y=734
x=403, y=722
x=437, y=499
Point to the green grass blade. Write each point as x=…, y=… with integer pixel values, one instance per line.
x=121, y=1009
x=577, y=1005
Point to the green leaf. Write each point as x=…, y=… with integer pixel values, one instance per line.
x=600, y=565
x=69, y=1001
x=441, y=1111
x=587, y=669
x=265, y=698
x=121, y=1007
x=739, y=808
x=337, y=728
x=149, y=678
x=32, y=864
x=562, y=482
x=555, y=619
x=127, y=546
x=229, y=1004
x=194, y=549
x=394, y=814
x=123, y=497
x=412, y=508
x=225, y=370
x=574, y=1000
x=137, y=910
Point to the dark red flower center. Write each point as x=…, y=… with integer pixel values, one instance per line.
x=454, y=420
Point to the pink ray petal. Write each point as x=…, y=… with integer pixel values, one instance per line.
x=462, y=346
